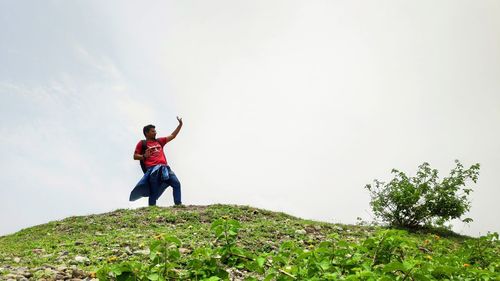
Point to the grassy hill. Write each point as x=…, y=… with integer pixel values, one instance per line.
x=222, y=242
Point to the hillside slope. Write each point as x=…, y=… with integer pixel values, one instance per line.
x=236, y=243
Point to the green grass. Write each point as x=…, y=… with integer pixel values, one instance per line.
x=99, y=237
x=125, y=235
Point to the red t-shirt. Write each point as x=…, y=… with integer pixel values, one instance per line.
x=157, y=155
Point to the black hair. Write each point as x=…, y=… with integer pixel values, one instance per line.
x=147, y=128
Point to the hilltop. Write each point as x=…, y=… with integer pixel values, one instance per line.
x=236, y=243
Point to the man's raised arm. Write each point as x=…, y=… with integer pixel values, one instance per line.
x=176, y=131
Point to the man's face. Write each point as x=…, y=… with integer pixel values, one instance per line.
x=151, y=134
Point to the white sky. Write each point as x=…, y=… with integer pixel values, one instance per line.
x=291, y=106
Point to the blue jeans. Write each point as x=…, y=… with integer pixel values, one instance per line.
x=157, y=185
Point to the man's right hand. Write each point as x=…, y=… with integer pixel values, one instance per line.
x=147, y=153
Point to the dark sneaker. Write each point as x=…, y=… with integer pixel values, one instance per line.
x=181, y=206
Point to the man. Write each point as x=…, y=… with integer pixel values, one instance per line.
x=157, y=173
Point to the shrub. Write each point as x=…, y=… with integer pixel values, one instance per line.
x=423, y=200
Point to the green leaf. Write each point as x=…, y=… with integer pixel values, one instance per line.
x=467, y=220
x=260, y=261
x=174, y=240
x=270, y=277
x=324, y=264
x=393, y=266
x=213, y=278
x=419, y=276
x=153, y=276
